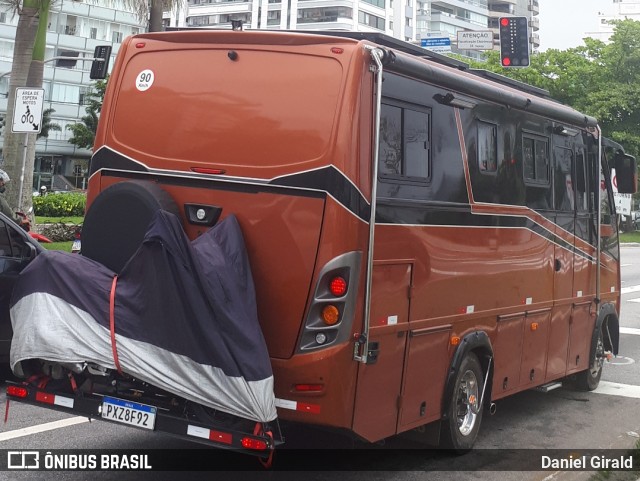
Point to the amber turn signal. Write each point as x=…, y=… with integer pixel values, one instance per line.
x=330, y=315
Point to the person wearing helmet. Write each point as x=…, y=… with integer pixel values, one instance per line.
x=4, y=205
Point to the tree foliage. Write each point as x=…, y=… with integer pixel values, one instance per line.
x=84, y=132
x=598, y=79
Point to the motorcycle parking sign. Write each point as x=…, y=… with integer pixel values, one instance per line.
x=27, y=112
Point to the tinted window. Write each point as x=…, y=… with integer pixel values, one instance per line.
x=487, y=147
x=5, y=241
x=563, y=181
x=535, y=153
x=404, y=143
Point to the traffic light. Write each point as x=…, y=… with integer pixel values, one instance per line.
x=100, y=65
x=514, y=41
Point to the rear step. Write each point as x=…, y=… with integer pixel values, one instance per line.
x=91, y=406
x=549, y=386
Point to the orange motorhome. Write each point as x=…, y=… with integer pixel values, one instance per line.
x=425, y=239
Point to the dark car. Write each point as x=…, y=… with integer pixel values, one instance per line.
x=17, y=249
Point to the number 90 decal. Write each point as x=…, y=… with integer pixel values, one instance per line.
x=144, y=80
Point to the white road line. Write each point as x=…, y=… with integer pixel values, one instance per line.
x=630, y=330
x=625, y=265
x=627, y=290
x=637, y=299
x=617, y=389
x=40, y=428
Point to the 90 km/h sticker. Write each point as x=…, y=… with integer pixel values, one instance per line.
x=144, y=80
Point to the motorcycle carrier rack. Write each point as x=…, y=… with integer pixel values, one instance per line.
x=260, y=442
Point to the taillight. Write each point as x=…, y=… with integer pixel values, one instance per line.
x=17, y=391
x=338, y=286
x=256, y=444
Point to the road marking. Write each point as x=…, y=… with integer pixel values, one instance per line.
x=617, y=389
x=630, y=330
x=40, y=428
x=637, y=299
x=625, y=265
x=627, y=290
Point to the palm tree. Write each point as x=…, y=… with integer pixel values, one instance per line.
x=47, y=124
x=84, y=133
x=152, y=10
x=31, y=14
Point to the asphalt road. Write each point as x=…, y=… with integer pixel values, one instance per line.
x=607, y=418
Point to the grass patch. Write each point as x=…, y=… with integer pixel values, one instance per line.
x=54, y=220
x=58, y=246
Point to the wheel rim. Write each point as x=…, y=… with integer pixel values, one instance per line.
x=598, y=360
x=467, y=403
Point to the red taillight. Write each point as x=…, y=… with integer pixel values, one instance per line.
x=17, y=391
x=337, y=50
x=256, y=444
x=140, y=45
x=338, y=286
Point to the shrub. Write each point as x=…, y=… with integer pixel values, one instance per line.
x=60, y=205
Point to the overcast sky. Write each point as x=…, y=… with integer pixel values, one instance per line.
x=563, y=23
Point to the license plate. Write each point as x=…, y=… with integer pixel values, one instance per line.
x=128, y=412
x=75, y=247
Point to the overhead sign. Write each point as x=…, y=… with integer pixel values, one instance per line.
x=475, y=40
x=27, y=112
x=436, y=44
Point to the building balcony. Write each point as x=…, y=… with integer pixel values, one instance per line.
x=534, y=7
x=534, y=23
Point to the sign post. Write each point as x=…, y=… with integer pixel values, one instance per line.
x=27, y=118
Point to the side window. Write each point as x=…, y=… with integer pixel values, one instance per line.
x=536, y=170
x=5, y=241
x=535, y=153
x=563, y=180
x=582, y=182
x=487, y=147
x=405, y=144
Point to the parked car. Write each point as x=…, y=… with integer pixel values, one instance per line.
x=17, y=249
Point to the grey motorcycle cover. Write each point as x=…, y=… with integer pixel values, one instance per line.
x=182, y=314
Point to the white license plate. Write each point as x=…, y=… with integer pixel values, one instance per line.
x=128, y=412
x=75, y=247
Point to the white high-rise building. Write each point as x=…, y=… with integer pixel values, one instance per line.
x=618, y=10
x=75, y=28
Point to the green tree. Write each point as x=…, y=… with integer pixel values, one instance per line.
x=47, y=124
x=84, y=132
x=601, y=80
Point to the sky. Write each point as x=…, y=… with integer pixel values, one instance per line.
x=563, y=23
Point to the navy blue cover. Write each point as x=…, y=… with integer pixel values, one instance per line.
x=182, y=302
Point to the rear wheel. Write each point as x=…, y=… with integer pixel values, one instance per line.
x=464, y=412
x=588, y=380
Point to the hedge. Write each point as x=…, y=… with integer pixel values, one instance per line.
x=60, y=205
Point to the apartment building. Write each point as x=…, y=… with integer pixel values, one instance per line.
x=409, y=20
x=75, y=28
x=617, y=10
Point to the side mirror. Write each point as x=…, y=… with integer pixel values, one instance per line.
x=30, y=252
x=626, y=173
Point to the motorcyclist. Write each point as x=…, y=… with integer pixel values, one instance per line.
x=4, y=205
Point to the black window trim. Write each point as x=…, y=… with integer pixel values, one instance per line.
x=496, y=125
x=526, y=134
x=407, y=179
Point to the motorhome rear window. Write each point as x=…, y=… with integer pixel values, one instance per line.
x=260, y=109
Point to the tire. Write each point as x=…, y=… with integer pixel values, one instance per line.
x=588, y=380
x=464, y=413
x=118, y=218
